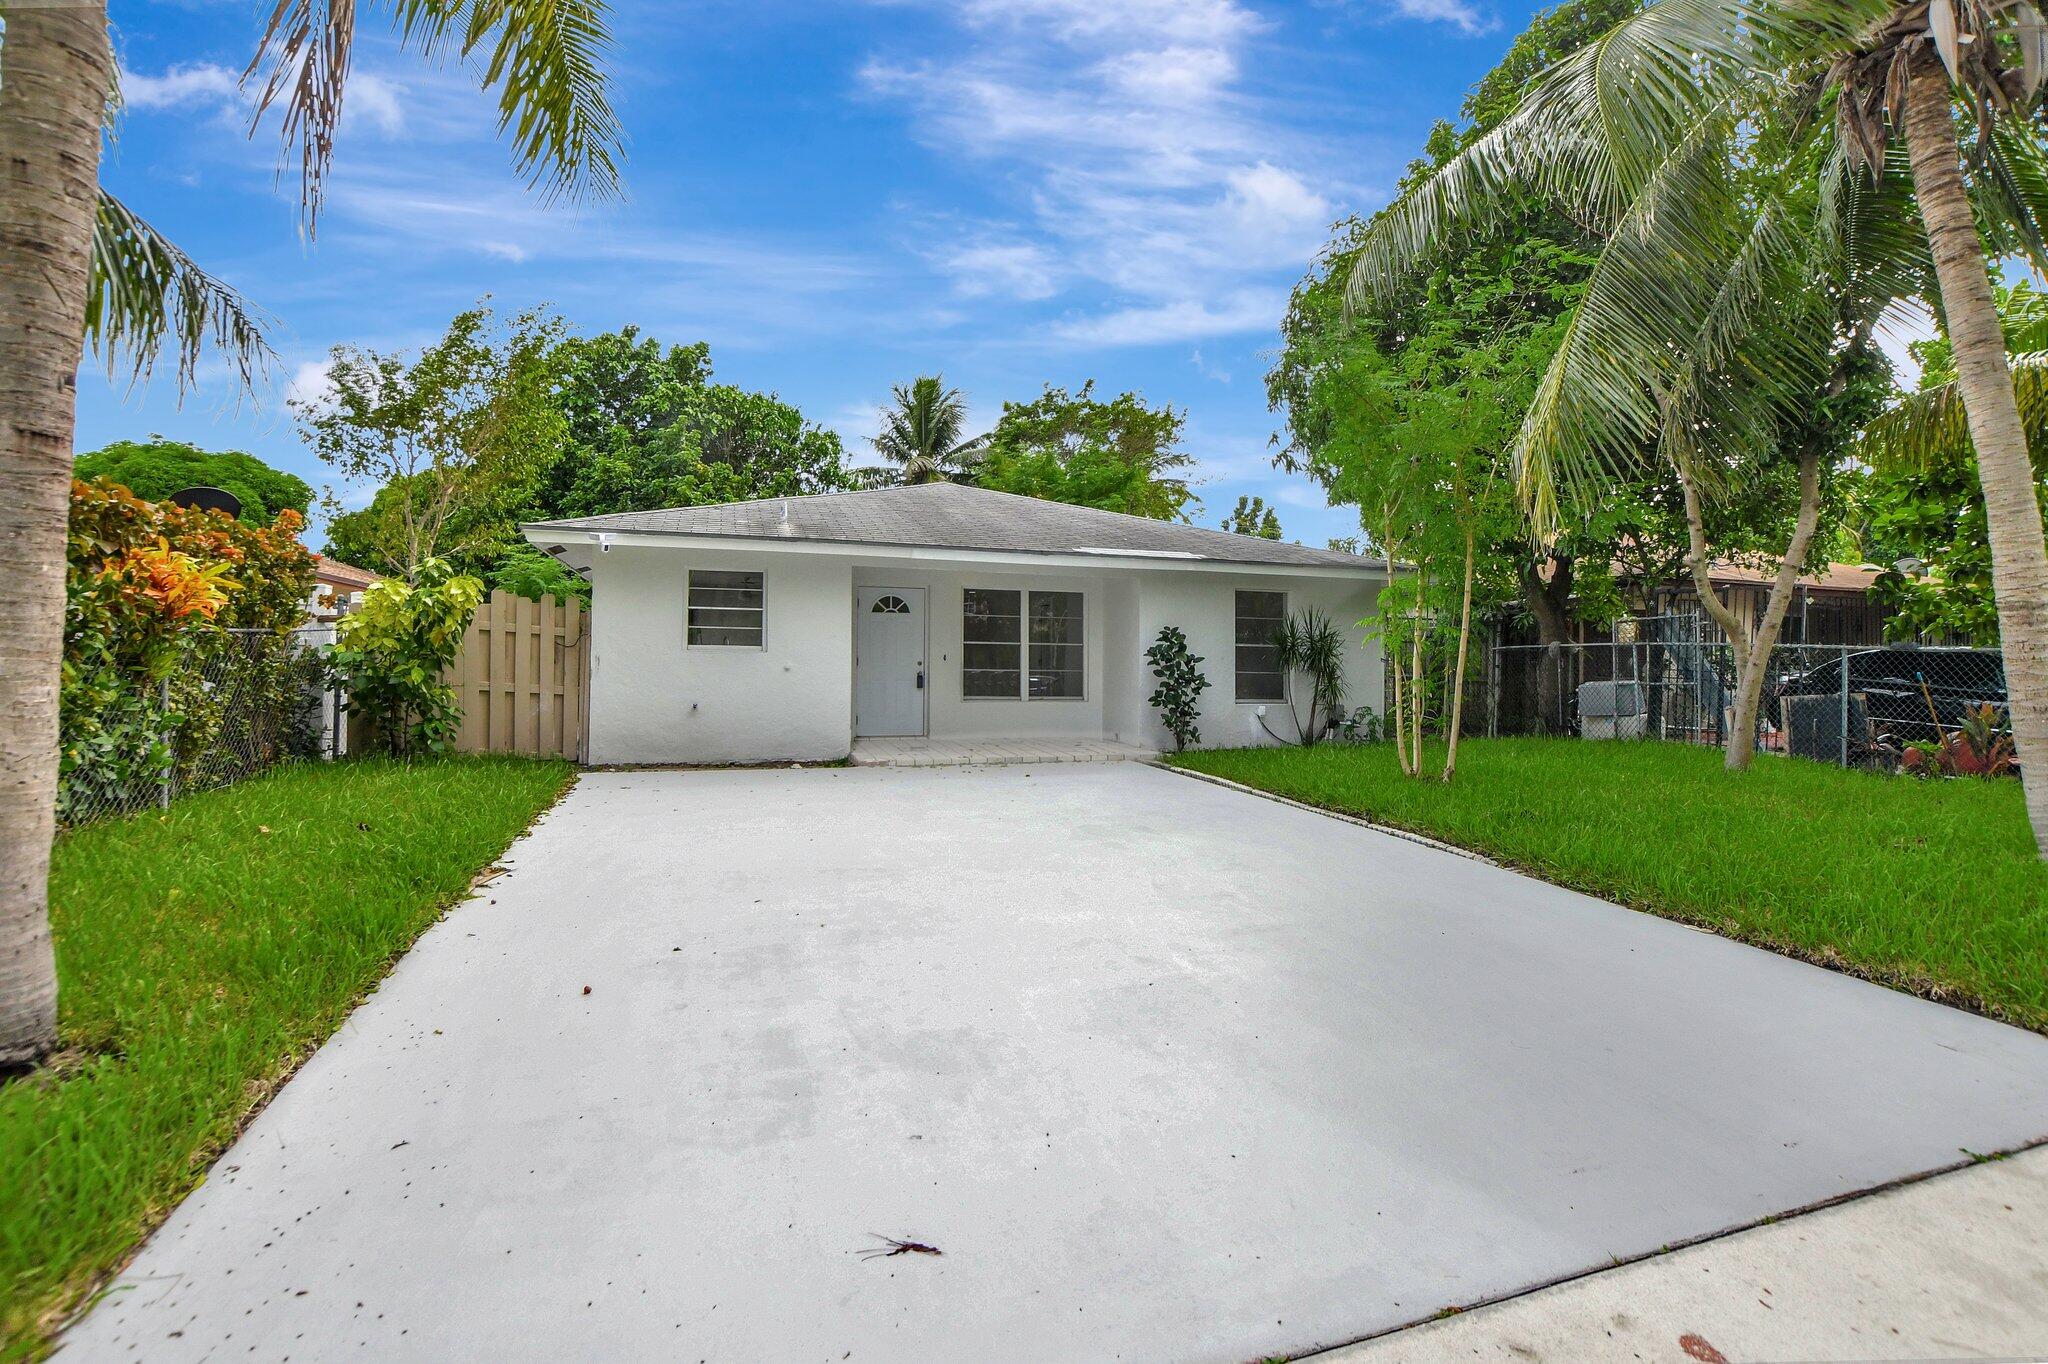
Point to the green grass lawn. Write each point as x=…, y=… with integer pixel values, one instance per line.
x=204, y=952
x=1928, y=886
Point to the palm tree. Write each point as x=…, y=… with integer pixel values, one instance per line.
x=1636, y=133
x=921, y=436
x=77, y=266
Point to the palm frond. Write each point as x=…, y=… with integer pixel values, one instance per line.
x=145, y=292
x=1662, y=351
x=1931, y=424
x=2011, y=181
x=544, y=58
x=1604, y=122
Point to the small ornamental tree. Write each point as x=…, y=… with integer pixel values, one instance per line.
x=1181, y=684
x=391, y=651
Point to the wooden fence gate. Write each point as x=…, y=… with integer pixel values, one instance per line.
x=521, y=678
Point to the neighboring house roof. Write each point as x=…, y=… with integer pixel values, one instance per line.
x=335, y=573
x=955, y=516
x=1833, y=578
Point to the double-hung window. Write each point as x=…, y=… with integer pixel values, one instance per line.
x=726, y=608
x=1259, y=676
x=1019, y=645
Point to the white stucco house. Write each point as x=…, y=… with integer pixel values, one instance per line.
x=788, y=629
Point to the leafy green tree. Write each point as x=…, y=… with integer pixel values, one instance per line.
x=1073, y=447
x=1923, y=502
x=1512, y=277
x=720, y=444
x=921, y=437
x=1251, y=516
x=154, y=469
x=456, y=437
x=88, y=269
x=525, y=571
x=1653, y=133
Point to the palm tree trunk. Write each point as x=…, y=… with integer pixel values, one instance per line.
x=57, y=71
x=1458, y=671
x=2019, y=558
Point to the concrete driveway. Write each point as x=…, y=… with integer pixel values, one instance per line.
x=1166, y=1071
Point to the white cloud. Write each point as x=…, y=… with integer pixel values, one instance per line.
x=1014, y=269
x=375, y=100
x=309, y=383
x=180, y=87
x=1145, y=168
x=1177, y=320
x=372, y=101
x=1457, y=12
x=1208, y=370
x=505, y=251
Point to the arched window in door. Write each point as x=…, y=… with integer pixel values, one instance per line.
x=890, y=606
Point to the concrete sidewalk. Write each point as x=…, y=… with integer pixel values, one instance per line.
x=1952, y=1267
x=1166, y=1072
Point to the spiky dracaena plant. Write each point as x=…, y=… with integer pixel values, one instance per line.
x=1307, y=645
x=1683, y=339
x=76, y=266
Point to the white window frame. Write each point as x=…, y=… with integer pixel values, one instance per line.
x=1023, y=644
x=1286, y=609
x=690, y=587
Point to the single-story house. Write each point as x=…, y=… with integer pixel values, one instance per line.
x=787, y=628
x=337, y=588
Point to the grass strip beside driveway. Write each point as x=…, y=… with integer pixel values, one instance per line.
x=1928, y=886
x=203, y=953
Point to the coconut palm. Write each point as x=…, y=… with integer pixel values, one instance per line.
x=921, y=438
x=1636, y=133
x=76, y=266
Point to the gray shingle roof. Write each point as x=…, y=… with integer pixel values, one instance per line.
x=953, y=516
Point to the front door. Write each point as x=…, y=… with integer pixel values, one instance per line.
x=888, y=662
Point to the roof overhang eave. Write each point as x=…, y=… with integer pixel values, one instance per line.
x=543, y=534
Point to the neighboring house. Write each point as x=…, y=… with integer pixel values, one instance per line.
x=337, y=588
x=1832, y=606
x=787, y=628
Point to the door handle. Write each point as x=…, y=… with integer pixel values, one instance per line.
x=920, y=679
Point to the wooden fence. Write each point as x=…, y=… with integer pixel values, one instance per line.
x=521, y=678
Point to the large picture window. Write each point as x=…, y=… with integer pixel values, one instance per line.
x=1259, y=677
x=726, y=608
x=1022, y=645
x=1056, y=645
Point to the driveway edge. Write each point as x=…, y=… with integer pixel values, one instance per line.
x=1328, y=813
x=1919, y=1265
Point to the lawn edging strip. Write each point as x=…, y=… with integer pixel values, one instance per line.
x=1388, y=829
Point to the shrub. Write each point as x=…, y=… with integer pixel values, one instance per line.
x=150, y=592
x=1178, y=697
x=1982, y=747
x=390, y=653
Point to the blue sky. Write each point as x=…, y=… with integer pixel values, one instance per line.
x=837, y=197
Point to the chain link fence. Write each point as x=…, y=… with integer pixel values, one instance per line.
x=1664, y=678
x=239, y=703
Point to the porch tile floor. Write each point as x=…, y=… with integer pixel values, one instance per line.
x=960, y=752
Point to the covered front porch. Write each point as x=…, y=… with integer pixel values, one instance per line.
x=926, y=752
